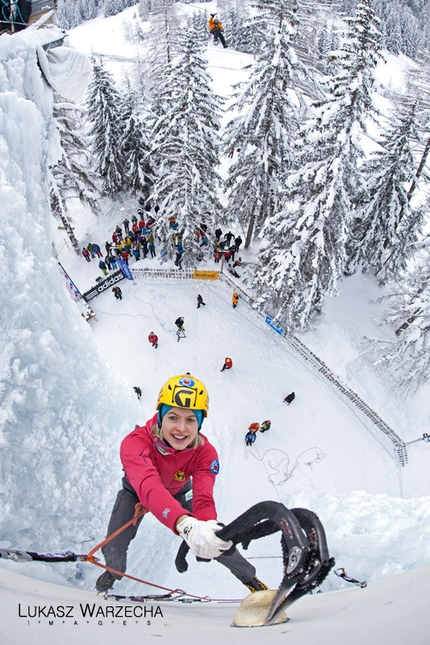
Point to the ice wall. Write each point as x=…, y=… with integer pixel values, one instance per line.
x=63, y=412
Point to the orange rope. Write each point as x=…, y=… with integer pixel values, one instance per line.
x=138, y=512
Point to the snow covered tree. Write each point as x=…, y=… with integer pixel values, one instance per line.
x=185, y=148
x=386, y=225
x=112, y=7
x=135, y=148
x=266, y=123
x=163, y=46
x=73, y=175
x=408, y=356
x=303, y=250
x=419, y=88
x=238, y=28
x=103, y=108
x=73, y=13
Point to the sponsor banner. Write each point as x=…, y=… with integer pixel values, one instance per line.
x=274, y=326
x=125, y=269
x=73, y=289
x=205, y=275
x=110, y=280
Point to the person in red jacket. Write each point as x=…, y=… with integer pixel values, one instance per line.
x=170, y=468
x=228, y=364
x=153, y=339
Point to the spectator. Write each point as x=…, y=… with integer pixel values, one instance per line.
x=289, y=398
x=153, y=339
x=228, y=364
x=117, y=292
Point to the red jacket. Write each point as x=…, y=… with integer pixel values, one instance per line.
x=157, y=472
x=153, y=338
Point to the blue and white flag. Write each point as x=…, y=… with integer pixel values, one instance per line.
x=125, y=269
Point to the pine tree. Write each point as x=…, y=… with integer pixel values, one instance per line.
x=386, y=225
x=408, y=357
x=163, y=46
x=73, y=174
x=71, y=14
x=135, y=148
x=267, y=121
x=303, y=252
x=185, y=147
x=419, y=88
x=113, y=7
x=103, y=108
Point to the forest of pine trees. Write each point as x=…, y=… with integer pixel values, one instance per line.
x=313, y=204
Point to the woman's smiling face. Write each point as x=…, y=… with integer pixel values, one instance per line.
x=179, y=428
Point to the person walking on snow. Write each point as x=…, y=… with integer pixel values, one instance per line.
x=138, y=391
x=153, y=339
x=117, y=292
x=235, y=299
x=228, y=364
x=265, y=426
x=171, y=442
x=200, y=301
x=179, y=322
x=289, y=398
x=250, y=438
x=103, y=267
x=216, y=29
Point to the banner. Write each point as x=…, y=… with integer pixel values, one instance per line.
x=102, y=286
x=205, y=275
x=274, y=326
x=125, y=269
x=73, y=289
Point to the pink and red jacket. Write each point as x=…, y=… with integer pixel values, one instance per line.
x=157, y=472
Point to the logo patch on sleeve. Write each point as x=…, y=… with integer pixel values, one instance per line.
x=179, y=476
x=214, y=467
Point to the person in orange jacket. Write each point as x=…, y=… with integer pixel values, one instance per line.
x=215, y=27
x=228, y=364
x=235, y=299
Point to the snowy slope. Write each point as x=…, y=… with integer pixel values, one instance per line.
x=388, y=611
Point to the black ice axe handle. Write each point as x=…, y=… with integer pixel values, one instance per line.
x=264, y=519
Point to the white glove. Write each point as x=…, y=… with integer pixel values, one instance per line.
x=200, y=537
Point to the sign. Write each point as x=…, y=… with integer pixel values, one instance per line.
x=274, y=326
x=102, y=286
x=205, y=275
x=125, y=269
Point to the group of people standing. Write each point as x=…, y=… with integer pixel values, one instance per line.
x=227, y=246
x=133, y=239
x=251, y=435
x=136, y=240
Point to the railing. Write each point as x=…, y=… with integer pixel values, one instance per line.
x=387, y=433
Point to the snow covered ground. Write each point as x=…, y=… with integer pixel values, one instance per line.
x=67, y=401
